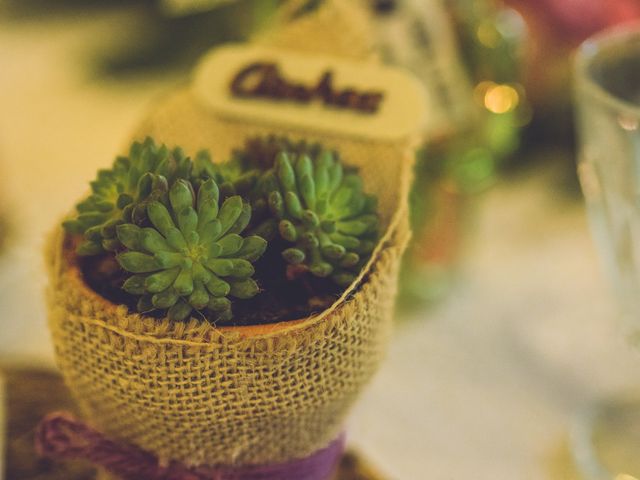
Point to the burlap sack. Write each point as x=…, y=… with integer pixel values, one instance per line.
x=245, y=395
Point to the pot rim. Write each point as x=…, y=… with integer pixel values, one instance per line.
x=72, y=275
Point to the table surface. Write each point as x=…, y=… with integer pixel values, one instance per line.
x=482, y=386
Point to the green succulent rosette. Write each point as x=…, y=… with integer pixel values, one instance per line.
x=192, y=257
x=321, y=211
x=121, y=194
x=259, y=154
x=241, y=173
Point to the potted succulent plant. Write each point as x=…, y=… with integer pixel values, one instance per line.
x=223, y=317
x=179, y=237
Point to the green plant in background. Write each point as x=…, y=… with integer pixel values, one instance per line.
x=121, y=193
x=492, y=39
x=192, y=257
x=328, y=223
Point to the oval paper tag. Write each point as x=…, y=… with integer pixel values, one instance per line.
x=319, y=93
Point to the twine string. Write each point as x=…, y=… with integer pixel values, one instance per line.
x=61, y=436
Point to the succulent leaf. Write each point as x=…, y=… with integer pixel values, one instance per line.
x=244, y=289
x=190, y=258
x=129, y=235
x=320, y=210
x=135, y=285
x=121, y=194
x=89, y=247
x=252, y=248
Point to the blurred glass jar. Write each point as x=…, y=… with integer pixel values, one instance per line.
x=482, y=109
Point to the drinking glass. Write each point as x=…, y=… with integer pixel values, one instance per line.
x=606, y=438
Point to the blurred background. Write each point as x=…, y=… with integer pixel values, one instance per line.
x=505, y=325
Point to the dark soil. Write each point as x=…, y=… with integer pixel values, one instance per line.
x=281, y=299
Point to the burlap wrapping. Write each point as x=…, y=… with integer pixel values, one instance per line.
x=201, y=395
x=248, y=395
x=338, y=27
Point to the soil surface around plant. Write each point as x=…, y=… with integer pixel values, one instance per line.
x=280, y=298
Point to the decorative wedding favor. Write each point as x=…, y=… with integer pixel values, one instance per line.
x=180, y=386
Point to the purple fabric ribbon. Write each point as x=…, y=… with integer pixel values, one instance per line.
x=60, y=435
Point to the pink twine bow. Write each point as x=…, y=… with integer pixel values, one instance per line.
x=60, y=435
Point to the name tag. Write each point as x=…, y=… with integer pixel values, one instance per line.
x=272, y=86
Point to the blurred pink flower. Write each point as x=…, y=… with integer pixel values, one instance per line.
x=571, y=21
x=556, y=27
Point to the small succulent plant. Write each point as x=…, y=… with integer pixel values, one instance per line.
x=241, y=173
x=259, y=154
x=322, y=213
x=192, y=257
x=121, y=194
x=181, y=235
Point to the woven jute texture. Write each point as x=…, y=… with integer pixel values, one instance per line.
x=203, y=395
